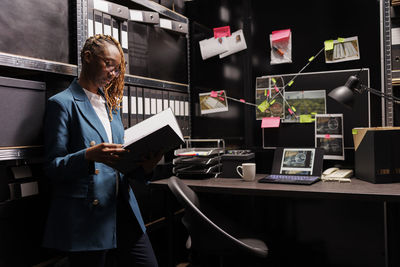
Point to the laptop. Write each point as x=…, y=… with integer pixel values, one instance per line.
x=296, y=166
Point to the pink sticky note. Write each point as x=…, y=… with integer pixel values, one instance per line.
x=282, y=35
x=242, y=100
x=267, y=93
x=270, y=122
x=290, y=110
x=221, y=98
x=222, y=32
x=220, y=92
x=276, y=88
x=214, y=94
x=327, y=136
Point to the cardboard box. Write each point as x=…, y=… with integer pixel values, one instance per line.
x=377, y=154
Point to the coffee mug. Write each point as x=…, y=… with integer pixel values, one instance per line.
x=249, y=171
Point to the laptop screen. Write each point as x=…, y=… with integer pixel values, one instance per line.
x=298, y=161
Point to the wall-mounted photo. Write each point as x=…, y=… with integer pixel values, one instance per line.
x=213, y=102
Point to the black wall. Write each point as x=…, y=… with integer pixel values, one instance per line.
x=311, y=23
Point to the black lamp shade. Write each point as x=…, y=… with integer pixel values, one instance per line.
x=345, y=94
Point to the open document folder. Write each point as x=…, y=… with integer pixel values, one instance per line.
x=159, y=133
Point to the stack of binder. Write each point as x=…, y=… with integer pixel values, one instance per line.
x=197, y=163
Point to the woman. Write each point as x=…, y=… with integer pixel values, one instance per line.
x=93, y=209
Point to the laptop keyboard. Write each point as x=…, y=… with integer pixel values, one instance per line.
x=289, y=179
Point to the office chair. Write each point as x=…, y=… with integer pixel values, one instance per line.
x=209, y=231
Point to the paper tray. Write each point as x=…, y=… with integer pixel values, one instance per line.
x=202, y=161
x=197, y=169
x=198, y=152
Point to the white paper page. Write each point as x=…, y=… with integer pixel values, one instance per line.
x=151, y=125
x=235, y=43
x=212, y=47
x=166, y=103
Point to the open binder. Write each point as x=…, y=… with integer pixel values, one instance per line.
x=159, y=133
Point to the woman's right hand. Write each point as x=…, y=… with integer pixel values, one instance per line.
x=105, y=153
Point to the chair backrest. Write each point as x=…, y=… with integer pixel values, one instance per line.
x=207, y=235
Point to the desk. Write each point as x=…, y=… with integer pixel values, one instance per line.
x=356, y=190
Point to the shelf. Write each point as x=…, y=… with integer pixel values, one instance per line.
x=155, y=83
x=162, y=10
x=15, y=153
x=16, y=61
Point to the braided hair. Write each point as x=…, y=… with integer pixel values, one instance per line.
x=114, y=90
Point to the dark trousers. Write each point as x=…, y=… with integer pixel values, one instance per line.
x=133, y=246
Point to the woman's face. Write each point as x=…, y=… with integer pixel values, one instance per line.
x=105, y=65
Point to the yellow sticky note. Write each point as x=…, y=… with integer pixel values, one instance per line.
x=328, y=45
x=354, y=131
x=311, y=59
x=306, y=118
x=273, y=101
x=293, y=109
x=273, y=80
x=290, y=83
x=265, y=92
x=263, y=106
x=341, y=40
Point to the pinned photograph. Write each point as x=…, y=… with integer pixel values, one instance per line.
x=342, y=49
x=213, y=102
x=308, y=102
x=212, y=47
x=235, y=43
x=329, y=135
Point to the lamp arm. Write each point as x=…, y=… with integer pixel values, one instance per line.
x=381, y=94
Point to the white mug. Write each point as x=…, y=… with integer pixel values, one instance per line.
x=249, y=171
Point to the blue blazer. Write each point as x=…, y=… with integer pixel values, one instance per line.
x=82, y=213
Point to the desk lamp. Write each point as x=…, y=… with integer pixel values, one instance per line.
x=345, y=94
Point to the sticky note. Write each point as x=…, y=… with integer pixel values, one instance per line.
x=214, y=94
x=276, y=88
x=270, y=122
x=293, y=109
x=311, y=59
x=263, y=106
x=290, y=111
x=341, y=40
x=354, y=131
x=290, y=83
x=265, y=92
x=242, y=100
x=273, y=80
x=281, y=35
x=222, y=32
x=273, y=101
x=305, y=118
x=221, y=98
x=327, y=136
x=328, y=45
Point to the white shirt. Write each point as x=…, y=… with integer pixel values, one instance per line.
x=99, y=105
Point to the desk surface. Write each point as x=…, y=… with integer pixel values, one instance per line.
x=357, y=189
